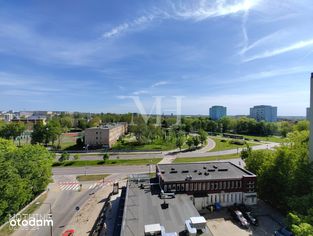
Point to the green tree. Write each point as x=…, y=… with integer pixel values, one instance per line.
x=12, y=130
x=38, y=134
x=301, y=125
x=196, y=140
x=203, y=136
x=65, y=156
x=189, y=142
x=180, y=140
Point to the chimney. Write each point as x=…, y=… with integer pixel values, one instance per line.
x=311, y=119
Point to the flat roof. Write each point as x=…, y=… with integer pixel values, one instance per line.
x=143, y=207
x=202, y=171
x=109, y=126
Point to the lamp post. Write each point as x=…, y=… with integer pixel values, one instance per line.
x=50, y=212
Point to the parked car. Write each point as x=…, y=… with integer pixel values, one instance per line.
x=252, y=219
x=237, y=216
x=284, y=232
x=69, y=232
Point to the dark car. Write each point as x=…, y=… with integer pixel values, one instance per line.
x=237, y=216
x=284, y=232
x=252, y=219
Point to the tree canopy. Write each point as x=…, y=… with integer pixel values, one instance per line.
x=25, y=172
x=285, y=179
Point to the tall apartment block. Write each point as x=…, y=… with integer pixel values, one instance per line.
x=217, y=112
x=264, y=113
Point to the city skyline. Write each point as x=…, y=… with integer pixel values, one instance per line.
x=93, y=57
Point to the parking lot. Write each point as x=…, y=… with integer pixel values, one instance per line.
x=222, y=224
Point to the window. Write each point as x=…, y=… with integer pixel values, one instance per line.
x=203, y=186
x=232, y=184
x=240, y=184
x=221, y=185
x=199, y=186
x=212, y=186
x=191, y=186
x=216, y=186
x=195, y=186
x=208, y=186
x=228, y=184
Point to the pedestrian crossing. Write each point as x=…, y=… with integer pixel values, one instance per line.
x=99, y=185
x=75, y=186
x=69, y=186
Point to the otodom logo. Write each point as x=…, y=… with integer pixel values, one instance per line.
x=30, y=221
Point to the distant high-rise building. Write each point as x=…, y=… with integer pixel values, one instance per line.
x=264, y=112
x=217, y=112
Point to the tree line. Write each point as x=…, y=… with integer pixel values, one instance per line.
x=25, y=173
x=285, y=179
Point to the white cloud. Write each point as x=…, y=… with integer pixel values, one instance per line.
x=201, y=10
x=132, y=25
x=160, y=83
x=274, y=52
x=267, y=74
x=140, y=92
x=186, y=10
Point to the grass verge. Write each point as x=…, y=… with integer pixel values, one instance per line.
x=226, y=145
x=199, y=159
x=91, y=177
x=107, y=162
x=7, y=230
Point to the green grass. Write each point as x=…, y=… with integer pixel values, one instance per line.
x=107, y=162
x=91, y=177
x=7, y=230
x=200, y=159
x=144, y=147
x=220, y=146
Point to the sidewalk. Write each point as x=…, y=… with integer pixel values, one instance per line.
x=83, y=221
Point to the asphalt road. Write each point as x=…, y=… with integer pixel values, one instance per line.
x=203, y=152
x=99, y=170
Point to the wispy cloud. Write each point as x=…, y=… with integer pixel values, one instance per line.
x=271, y=73
x=140, y=92
x=185, y=10
x=160, y=83
x=201, y=10
x=131, y=25
x=274, y=52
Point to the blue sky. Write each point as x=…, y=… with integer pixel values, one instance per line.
x=94, y=56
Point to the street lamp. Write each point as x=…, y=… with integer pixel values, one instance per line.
x=50, y=212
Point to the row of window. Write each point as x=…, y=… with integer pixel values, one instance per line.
x=223, y=185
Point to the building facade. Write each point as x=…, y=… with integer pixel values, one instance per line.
x=105, y=135
x=264, y=113
x=217, y=112
x=209, y=183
